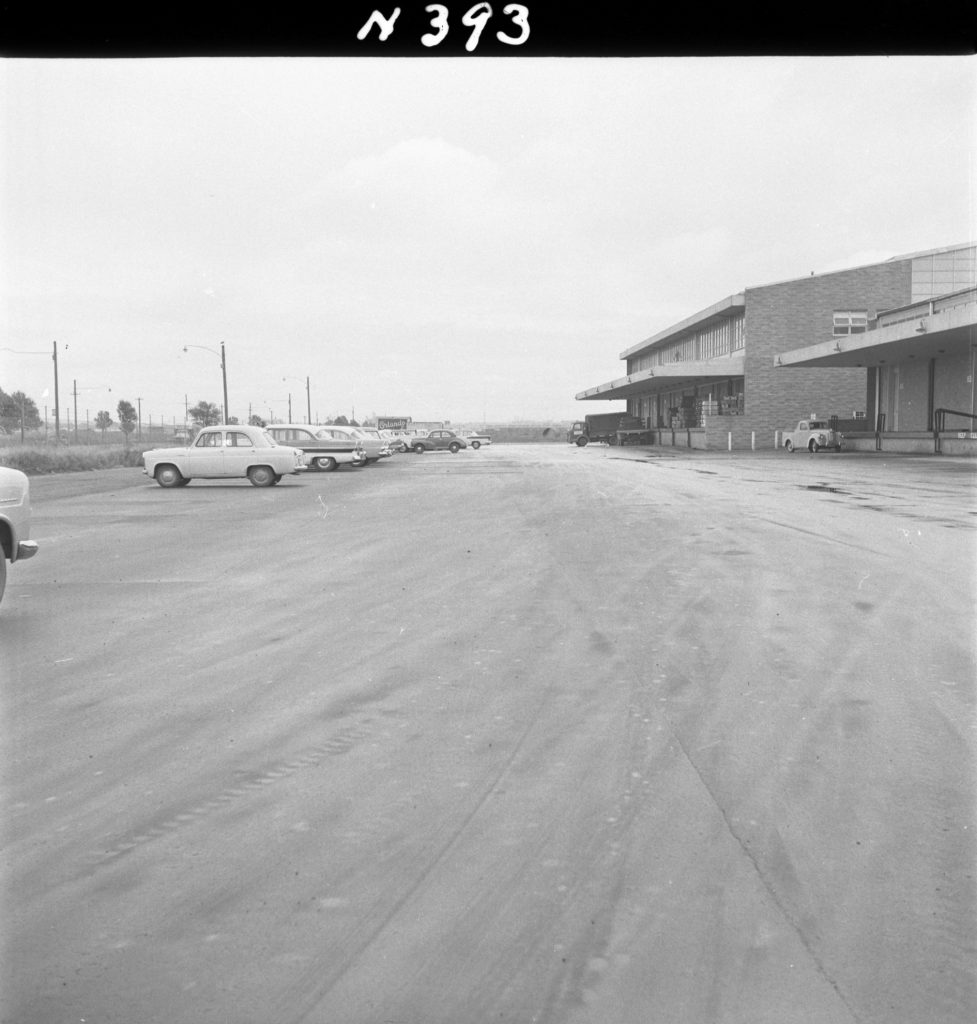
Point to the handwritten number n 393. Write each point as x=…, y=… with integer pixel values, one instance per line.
x=475, y=18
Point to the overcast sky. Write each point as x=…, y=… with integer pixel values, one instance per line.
x=466, y=239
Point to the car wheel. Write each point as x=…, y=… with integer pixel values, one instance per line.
x=183, y=481
x=261, y=476
x=476, y=444
x=169, y=476
x=418, y=449
x=812, y=446
x=789, y=445
x=581, y=441
x=326, y=463
x=454, y=448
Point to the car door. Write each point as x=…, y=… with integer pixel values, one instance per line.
x=239, y=453
x=207, y=455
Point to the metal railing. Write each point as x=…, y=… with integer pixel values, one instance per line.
x=939, y=424
x=925, y=307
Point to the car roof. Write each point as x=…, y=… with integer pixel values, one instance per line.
x=232, y=426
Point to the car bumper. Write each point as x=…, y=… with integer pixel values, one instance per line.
x=26, y=549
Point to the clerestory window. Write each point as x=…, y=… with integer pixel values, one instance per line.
x=850, y=321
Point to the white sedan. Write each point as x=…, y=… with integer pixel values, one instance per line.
x=15, y=521
x=228, y=451
x=476, y=440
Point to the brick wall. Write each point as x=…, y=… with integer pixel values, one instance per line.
x=794, y=314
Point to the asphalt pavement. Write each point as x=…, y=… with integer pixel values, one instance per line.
x=528, y=734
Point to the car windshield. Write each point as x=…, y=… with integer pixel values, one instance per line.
x=269, y=439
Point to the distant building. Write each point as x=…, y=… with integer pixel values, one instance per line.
x=749, y=366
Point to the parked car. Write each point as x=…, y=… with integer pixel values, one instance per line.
x=223, y=452
x=15, y=521
x=371, y=433
x=438, y=440
x=400, y=442
x=324, y=451
x=376, y=448
x=812, y=434
x=476, y=440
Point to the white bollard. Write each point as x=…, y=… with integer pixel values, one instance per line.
x=753, y=440
x=729, y=441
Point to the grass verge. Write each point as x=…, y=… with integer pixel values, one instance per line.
x=40, y=459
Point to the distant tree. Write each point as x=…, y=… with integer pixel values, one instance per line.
x=103, y=421
x=340, y=421
x=205, y=414
x=233, y=419
x=257, y=421
x=127, y=418
x=18, y=410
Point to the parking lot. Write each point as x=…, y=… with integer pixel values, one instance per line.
x=529, y=733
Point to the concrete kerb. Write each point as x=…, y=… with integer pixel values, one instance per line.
x=642, y=453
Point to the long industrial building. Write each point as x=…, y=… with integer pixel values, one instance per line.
x=888, y=349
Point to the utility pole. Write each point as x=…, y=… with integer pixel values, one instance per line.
x=57, y=402
x=74, y=391
x=139, y=420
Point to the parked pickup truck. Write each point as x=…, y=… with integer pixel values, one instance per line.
x=812, y=434
x=325, y=452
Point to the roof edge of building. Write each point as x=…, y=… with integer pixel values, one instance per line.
x=720, y=308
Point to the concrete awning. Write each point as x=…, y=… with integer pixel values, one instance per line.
x=667, y=377
x=921, y=335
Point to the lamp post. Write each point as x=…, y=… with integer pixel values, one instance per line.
x=223, y=359
x=308, y=399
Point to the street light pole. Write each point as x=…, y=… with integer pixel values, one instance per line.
x=57, y=404
x=224, y=375
x=223, y=356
